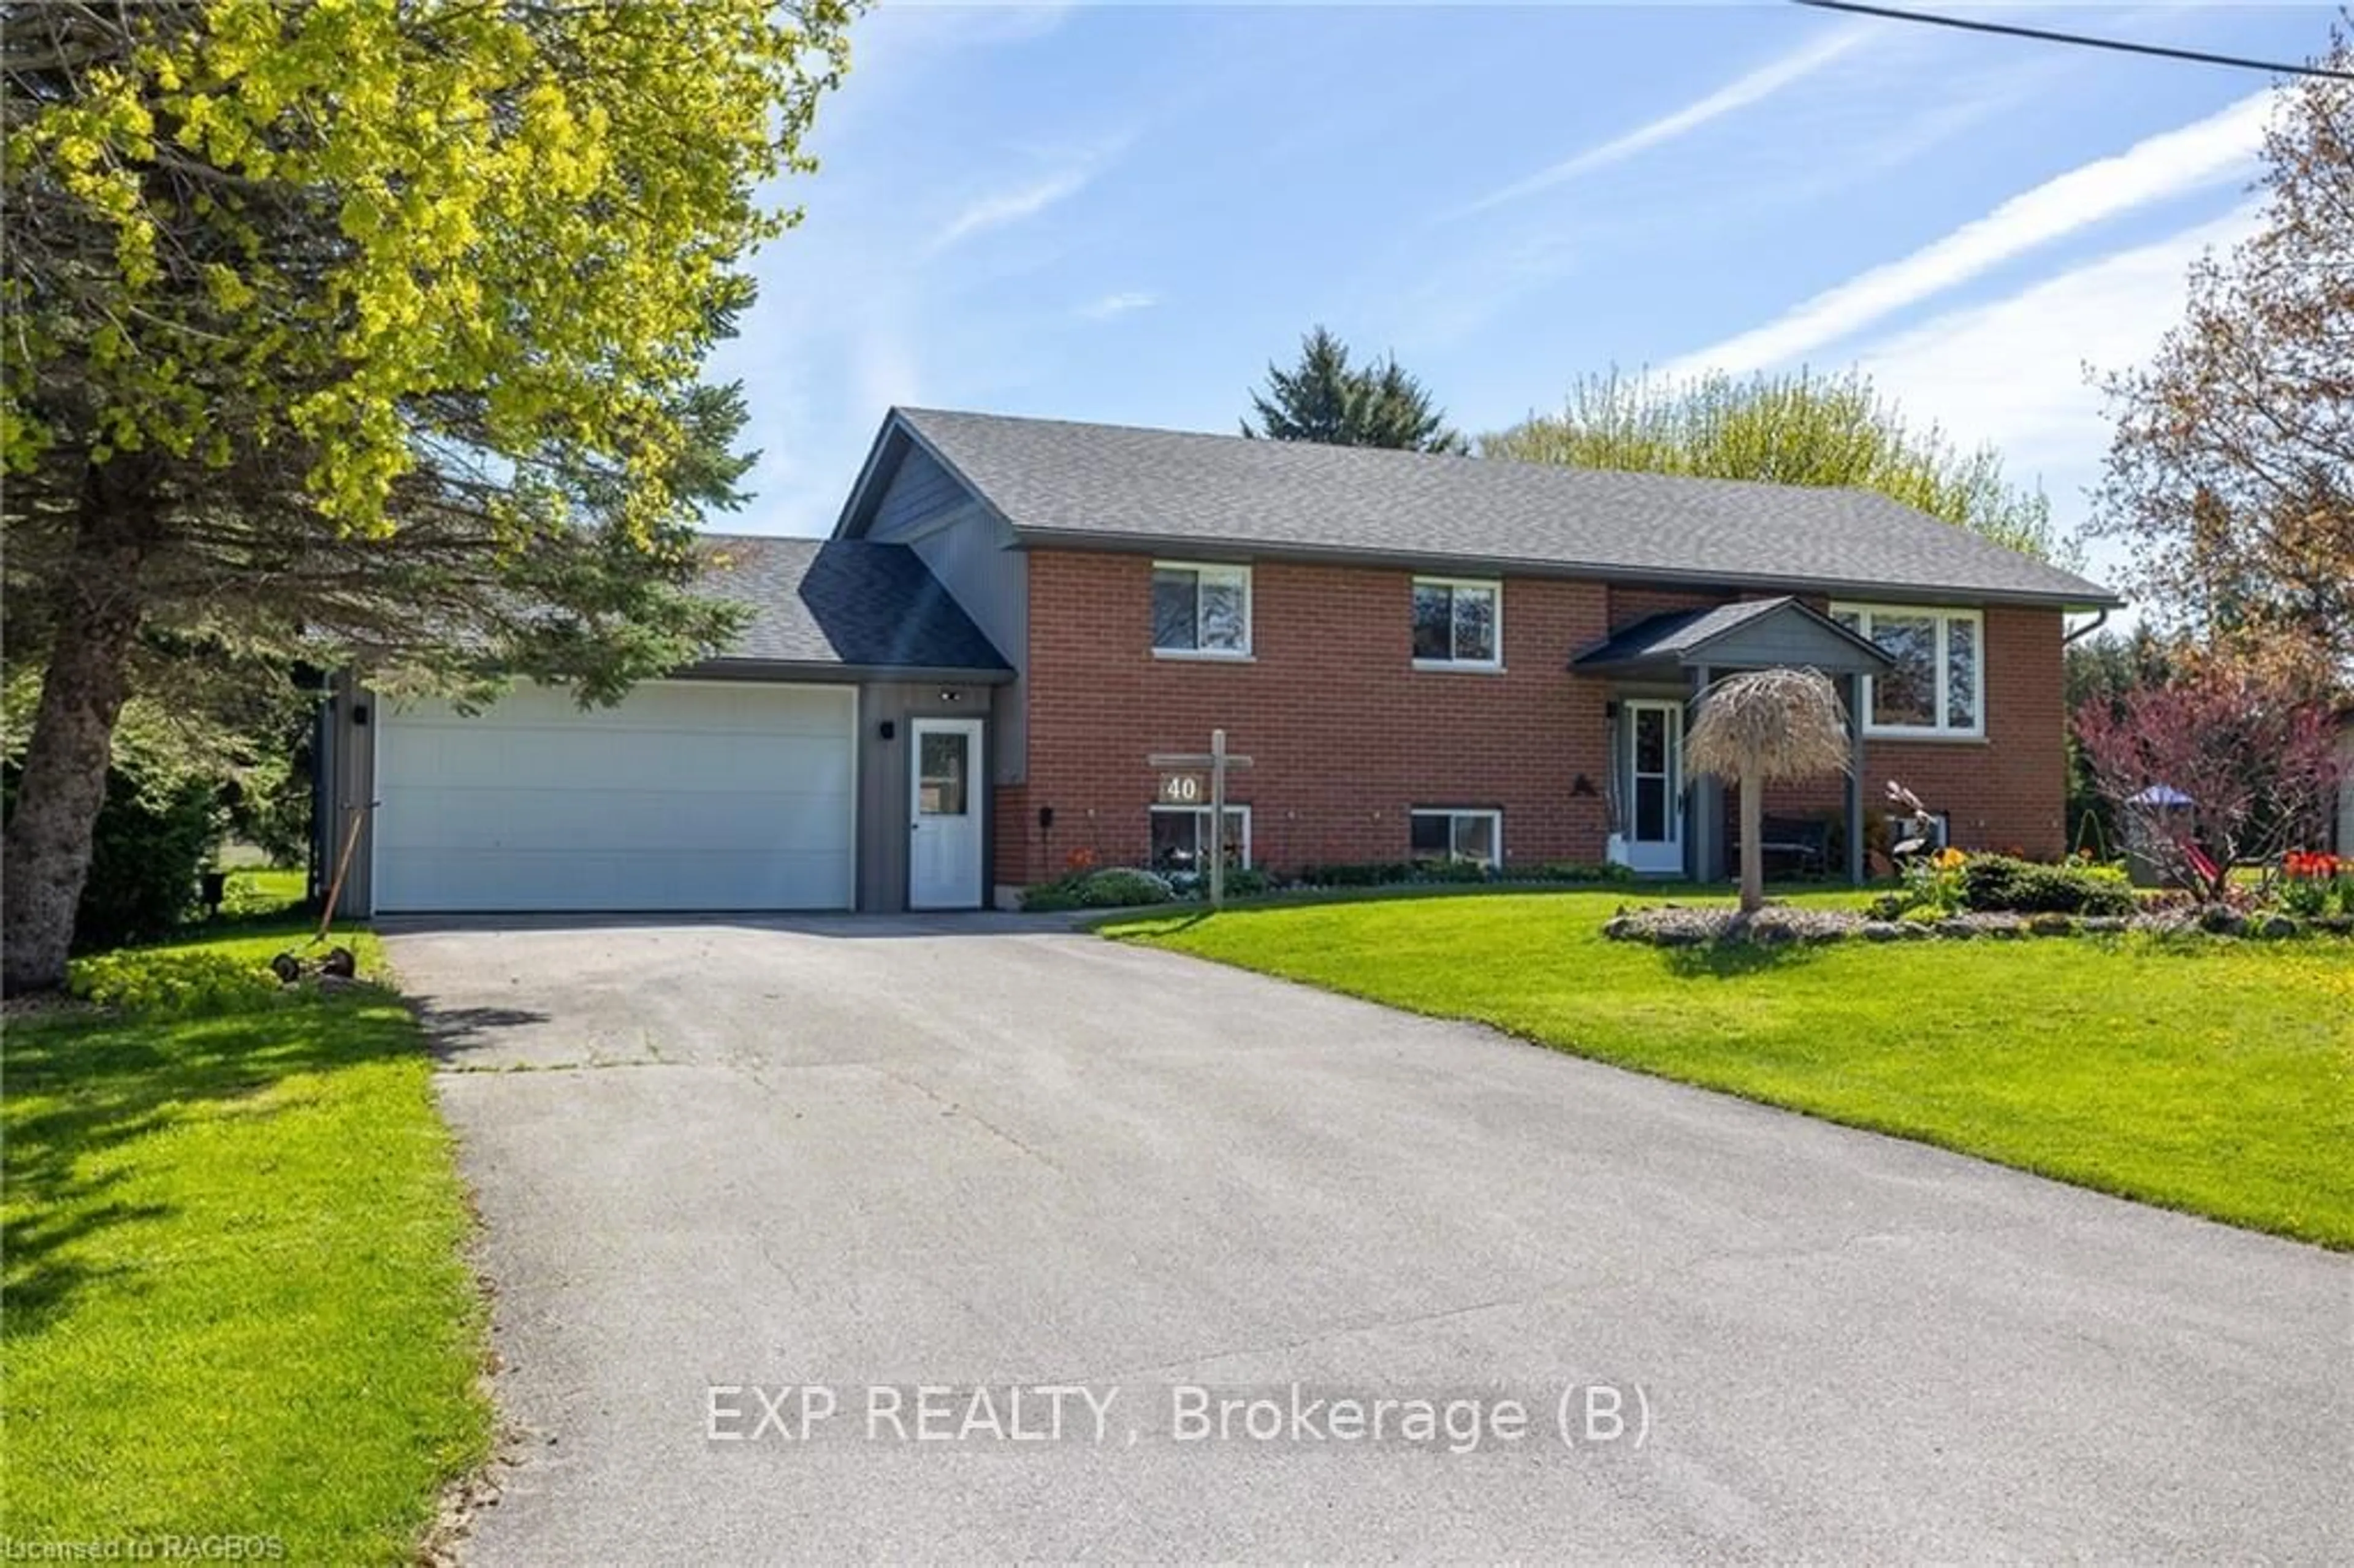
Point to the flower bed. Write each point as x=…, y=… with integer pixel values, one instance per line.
x=1683, y=926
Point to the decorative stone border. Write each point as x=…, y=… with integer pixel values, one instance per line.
x=1680, y=925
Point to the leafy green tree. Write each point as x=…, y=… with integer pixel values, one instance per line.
x=365, y=331
x=1797, y=429
x=1325, y=400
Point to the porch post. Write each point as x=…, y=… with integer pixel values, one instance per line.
x=1705, y=800
x=1855, y=856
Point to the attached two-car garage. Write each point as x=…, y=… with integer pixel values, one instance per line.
x=723, y=795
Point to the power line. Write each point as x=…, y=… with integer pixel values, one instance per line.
x=2085, y=40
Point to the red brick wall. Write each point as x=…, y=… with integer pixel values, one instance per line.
x=1345, y=734
x=2005, y=792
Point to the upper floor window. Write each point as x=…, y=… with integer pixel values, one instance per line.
x=1458, y=624
x=1203, y=611
x=1936, y=688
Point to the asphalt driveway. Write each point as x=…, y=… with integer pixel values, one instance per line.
x=721, y=1162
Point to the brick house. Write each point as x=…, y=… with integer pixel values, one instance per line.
x=1422, y=656
x=1434, y=654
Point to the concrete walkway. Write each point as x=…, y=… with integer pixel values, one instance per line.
x=986, y=1152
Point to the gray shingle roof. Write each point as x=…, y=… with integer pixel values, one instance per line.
x=1117, y=486
x=847, y=602
x=1680, y=636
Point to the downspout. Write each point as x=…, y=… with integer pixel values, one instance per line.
x=2100, y=619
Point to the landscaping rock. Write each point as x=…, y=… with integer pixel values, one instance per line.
x=2050, y=924
x=1883, y=931
x=2275, y=926
x=2223, y=921
x=1957, y=929
x=2095, y=925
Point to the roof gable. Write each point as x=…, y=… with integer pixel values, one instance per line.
x=1116, y=487
x=1753, y=634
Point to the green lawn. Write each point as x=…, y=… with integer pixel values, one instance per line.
x=236, y=1303
x=2210, y=1075
x=264, y=890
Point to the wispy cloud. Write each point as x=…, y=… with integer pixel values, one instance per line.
x=1121, y=305
x=2015, y=370
x=1739, y=93
x=1000, y=208
x=2218, y=148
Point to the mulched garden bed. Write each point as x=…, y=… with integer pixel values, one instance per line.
x=1679, y=925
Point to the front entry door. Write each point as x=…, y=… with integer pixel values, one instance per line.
x=944, y=814
x=1655, y=818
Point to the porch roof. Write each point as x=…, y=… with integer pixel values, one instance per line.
x=1753, y=634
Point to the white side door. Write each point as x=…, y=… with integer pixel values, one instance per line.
x=945, y=812
x=1655, y=817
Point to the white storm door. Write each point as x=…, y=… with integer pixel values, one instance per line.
x=1655, y=818
x=944, y=814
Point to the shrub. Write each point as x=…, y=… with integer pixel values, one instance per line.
x=1569, y=870
x=1114, y=887
x=1999, y=881
x=1051, y=897
x=1394, y=873
x=1363, y=874
x=155, y=833
x=172, y=984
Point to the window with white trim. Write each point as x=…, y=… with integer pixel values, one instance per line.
x=1437, y=832
x=1937, y=685
x=1181, y=838
x=1458, y=624
x=1201, y=611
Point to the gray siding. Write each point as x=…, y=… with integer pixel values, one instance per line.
x=975, y=561
x=919, y=494
x=884, y=783
x=351, y=769
x=972, y=552
x=1785, y=637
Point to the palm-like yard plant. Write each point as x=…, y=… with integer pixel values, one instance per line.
x=1761, y=727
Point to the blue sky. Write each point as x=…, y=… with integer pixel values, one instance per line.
x=1122, y=213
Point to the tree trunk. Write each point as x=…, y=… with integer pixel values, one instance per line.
x=46, y=847
x=1752, y=852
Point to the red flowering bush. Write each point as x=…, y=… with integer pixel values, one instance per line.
x=2217, y=767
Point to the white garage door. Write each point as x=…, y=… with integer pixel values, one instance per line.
x=685, y=796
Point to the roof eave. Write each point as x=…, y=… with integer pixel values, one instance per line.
x=1438, y=561
x=825, y=671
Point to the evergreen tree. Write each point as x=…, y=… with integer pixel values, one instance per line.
x=365, y=332
x=1325, y=399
